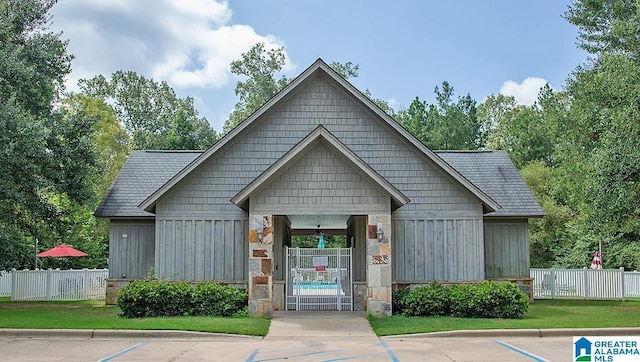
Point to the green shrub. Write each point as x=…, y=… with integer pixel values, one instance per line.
x=212, y=299
x=497, y=300
x=159, y=298
x=155, y=298
x=482, y=300
x=429, y=300
x=397, y=299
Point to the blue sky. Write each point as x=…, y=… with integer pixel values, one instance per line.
x=404, y=48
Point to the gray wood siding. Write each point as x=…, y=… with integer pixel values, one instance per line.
x=192, y=248
x=268, y=139
x=184, y=212
x=322, y=183
x=506, y=248
x=435, y=249
x=131, y=256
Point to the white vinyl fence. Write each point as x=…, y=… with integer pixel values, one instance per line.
x=5, y=284
x=612, y=284
x=58, y=285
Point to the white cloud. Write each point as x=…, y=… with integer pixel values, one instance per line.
x=525, y=93
x=393, y=103
x=188, y=43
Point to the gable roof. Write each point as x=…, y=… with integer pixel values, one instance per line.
x=320, y=134
x=146, y=171
x=495, y=174
x=319, y=66
x=142, y=174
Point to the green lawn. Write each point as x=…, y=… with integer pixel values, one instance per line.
x=542, y=314
x=97, y=315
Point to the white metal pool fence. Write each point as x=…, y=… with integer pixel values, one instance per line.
x=610, y=284
x=54, y=284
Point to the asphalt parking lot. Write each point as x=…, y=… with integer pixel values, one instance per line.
x=257, y=349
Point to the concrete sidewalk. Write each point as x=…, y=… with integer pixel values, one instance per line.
x=320, y=325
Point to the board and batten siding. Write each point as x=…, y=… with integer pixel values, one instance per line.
x=131, y=248
x=436, y=248
x=506, y=248
x=191, y=248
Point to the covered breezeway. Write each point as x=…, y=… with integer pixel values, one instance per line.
x=319, y=176
x=308, y=276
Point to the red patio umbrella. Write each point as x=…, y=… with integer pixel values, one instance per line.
x=62, y=250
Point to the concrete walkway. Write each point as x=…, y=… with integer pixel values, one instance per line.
x=321, y=336
x=320, y=325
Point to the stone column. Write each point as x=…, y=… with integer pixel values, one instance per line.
x=260, y=265
x=379, y=265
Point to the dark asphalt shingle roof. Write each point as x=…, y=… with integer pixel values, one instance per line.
x=146, y=171
x=142, y=174
x=494, y=173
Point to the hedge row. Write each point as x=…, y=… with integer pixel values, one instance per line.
x=482, y=300
x=160, y=298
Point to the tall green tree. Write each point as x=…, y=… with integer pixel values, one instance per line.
x=495, y=115
x=607, y=26
x=152, y=113
x=446, y=125
x=599, y=152
x=111, y=141
x=43, y=155
x=527, y=133
x=346, y=70
x=550, y=236
x=258, y=67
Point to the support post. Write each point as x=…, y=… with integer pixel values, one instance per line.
x=260, y=265
x=379, y=264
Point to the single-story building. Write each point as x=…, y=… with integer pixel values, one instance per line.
x=319, y=155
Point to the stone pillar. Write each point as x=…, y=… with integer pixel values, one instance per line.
x=379, y=265
x=260, y=265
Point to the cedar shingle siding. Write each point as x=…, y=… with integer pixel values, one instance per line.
x=456, y=200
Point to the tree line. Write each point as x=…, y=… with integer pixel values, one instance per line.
x=577, y=148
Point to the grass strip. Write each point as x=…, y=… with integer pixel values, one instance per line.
x=543, y=314
x=97, y=315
